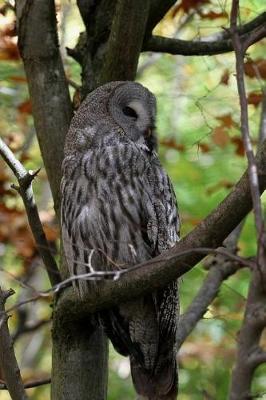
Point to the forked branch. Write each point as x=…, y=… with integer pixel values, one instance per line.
x=8, y=361
x=25, y=179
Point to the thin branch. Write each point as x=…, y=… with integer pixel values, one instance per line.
x=8, y=362
x=257, y=357
x=207, y=293
x=252, y=166
x=262, y=131
x=221, y=267
x=28, y=385
x=29, y=328
x=249, y=355
x=167, y=267
x=25, y=179
x=249, y=33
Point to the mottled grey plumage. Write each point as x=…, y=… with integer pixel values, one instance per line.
x=119, y=209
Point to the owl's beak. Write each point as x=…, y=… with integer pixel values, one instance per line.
x=148, y=132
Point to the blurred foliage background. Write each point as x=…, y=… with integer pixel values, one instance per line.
x=201, y=149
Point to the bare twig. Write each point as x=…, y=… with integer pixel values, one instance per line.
x=221, y=267
x=262, y=131
x=28, y=385
x=8, y=362
x=25, y=179
x=249, y=353
x=29, y=328
x=252, y=166
x=249, y=34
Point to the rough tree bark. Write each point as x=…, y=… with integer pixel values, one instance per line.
x=52, y=112
x=109, y=50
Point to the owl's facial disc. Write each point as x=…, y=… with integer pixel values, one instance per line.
x=138, y=115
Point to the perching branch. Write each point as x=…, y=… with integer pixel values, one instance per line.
x=25, y=179
x=167, y=267
x=8, y=362
x=204, y=47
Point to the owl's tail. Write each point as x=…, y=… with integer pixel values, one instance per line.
x=157, y=385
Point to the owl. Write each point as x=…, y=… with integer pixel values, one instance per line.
x=118, y=209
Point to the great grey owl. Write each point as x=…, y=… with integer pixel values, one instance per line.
x=119, y=209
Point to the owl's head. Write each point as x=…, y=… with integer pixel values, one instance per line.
x=122, y=110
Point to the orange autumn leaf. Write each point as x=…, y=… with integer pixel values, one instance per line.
x=51, y=232
x=18, y=79
x=238, y=142
x=220, y=137
x=223, y=184
x=204, y=147
x=172, y=144
x=255, y=68
x=226, y=120
x=225, y=78
x=187, y=5
x=8, y=50
x=213, y=15
x=254, y=98
x=25, y=107
x=14, y=229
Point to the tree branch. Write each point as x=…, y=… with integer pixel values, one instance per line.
x=25, y=179
x=252, y=167
x=8, y=362
x=28, y=385
x=48, y=87
x=255, y=313
x=129, y=24
x=221, y=267
x=158, y=9
x=196, y=48
x=169, y=266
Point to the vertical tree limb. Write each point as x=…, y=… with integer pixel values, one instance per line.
x=129, y=26
x=252, y=166
x=248, y=349
x=52, y=111
x=8, y=362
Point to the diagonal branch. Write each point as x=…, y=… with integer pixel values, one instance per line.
x=25, y=179
x=31, y=384
x=221, y=267
x=204, y=47
x=167, y=267
x=8, y=362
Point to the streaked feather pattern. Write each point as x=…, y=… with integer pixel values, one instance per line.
x=119, y=209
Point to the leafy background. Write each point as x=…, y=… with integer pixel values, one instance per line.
x=201, y=149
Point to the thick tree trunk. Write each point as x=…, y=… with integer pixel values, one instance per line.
x=79, y=362
x=79, y=357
